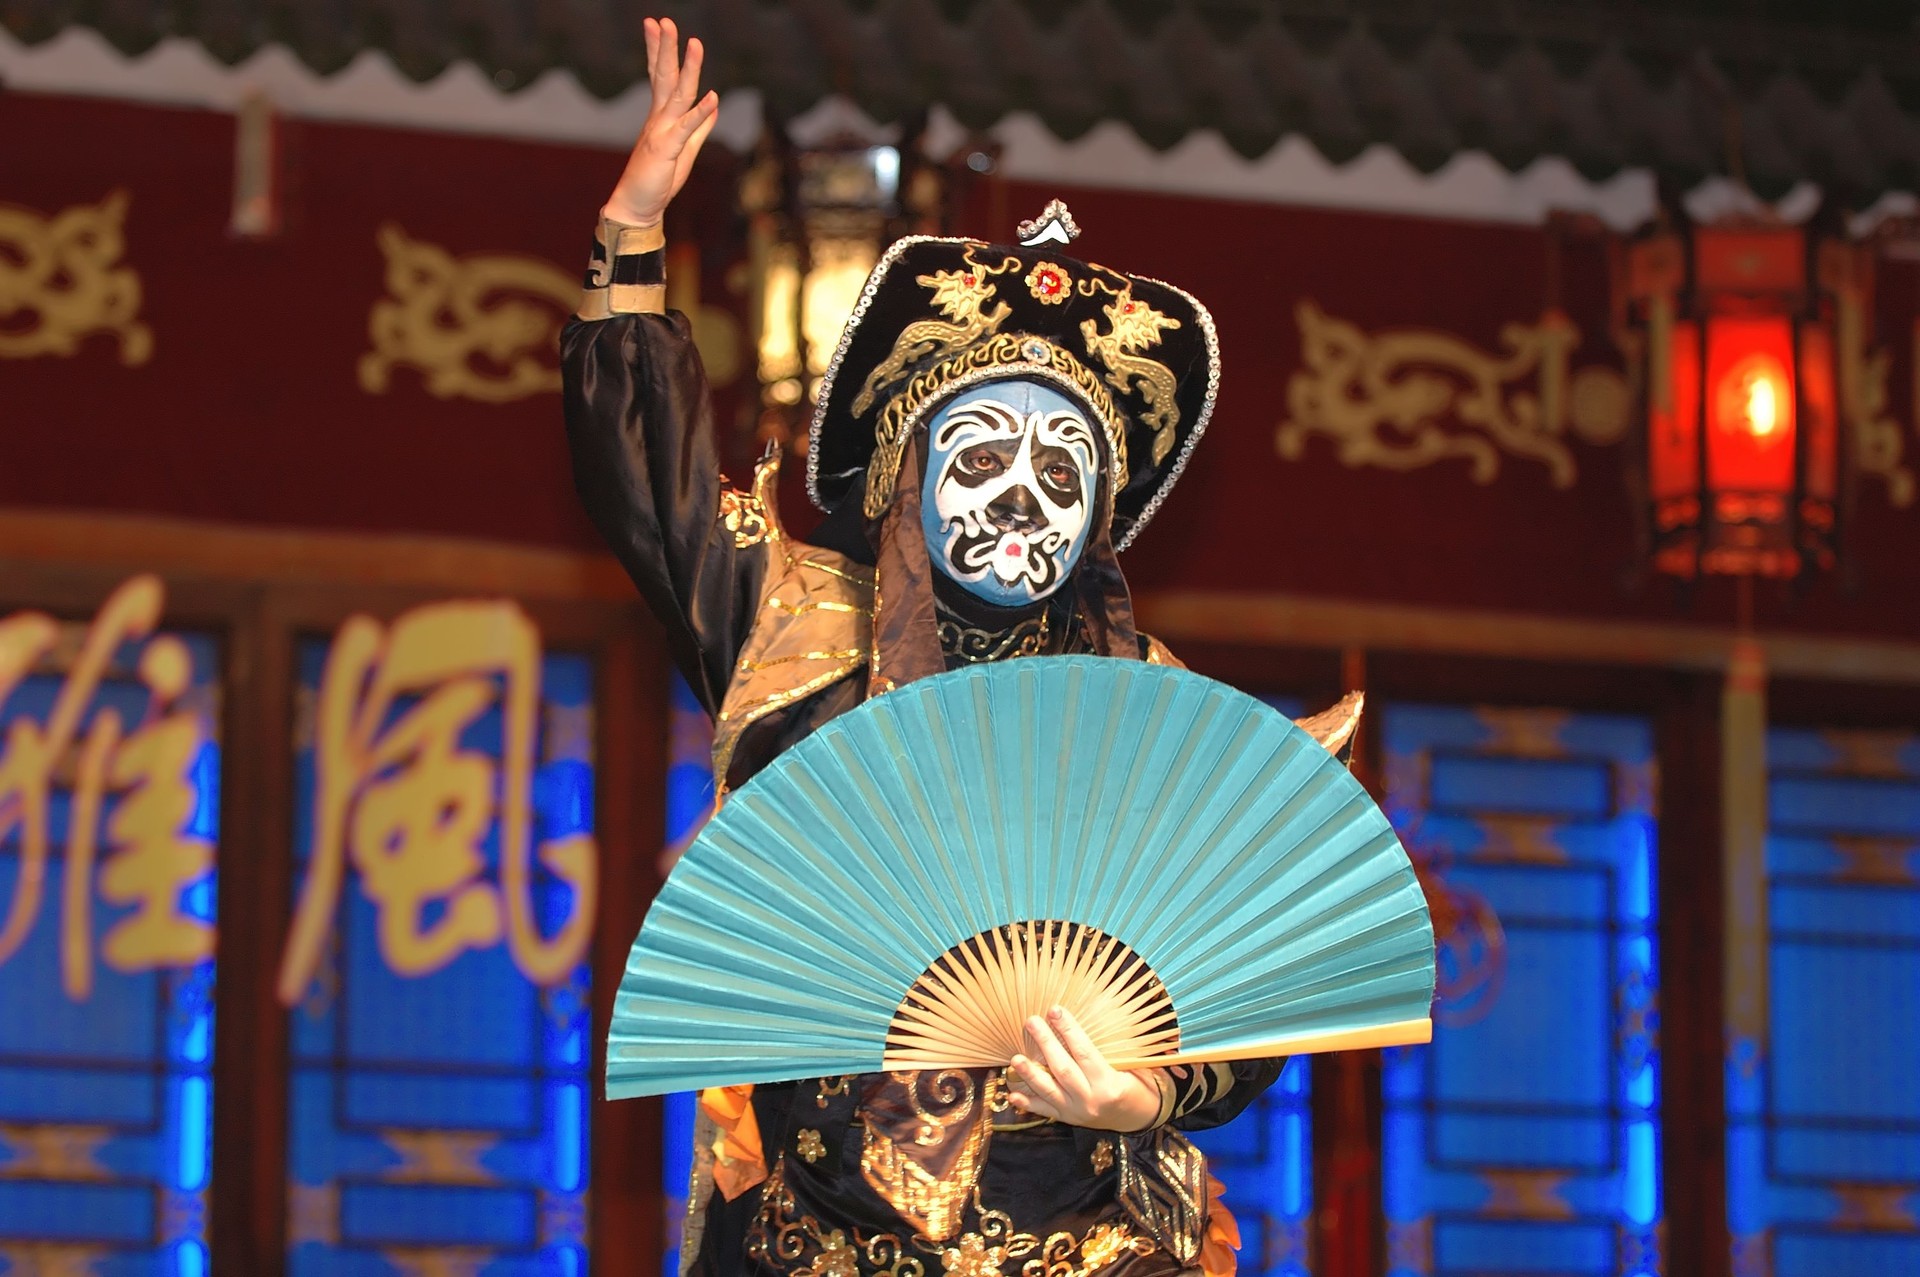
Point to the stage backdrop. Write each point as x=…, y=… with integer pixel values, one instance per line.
x=1414, y=412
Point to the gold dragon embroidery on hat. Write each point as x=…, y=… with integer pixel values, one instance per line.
x=960, y=295
x=1134, y=327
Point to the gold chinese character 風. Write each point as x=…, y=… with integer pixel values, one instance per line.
x=400, y=798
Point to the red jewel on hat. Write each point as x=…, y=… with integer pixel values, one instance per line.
x=969, y=281
x=1048, y=283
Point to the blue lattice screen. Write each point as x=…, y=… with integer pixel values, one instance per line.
x=1264, y=1158
x=1824, y=1125
x=439, y=1093
x=106, y=978
x=1525, y=1139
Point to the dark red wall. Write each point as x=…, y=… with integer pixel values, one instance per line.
x=250, y=410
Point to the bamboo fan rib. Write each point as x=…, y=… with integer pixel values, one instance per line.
x=1173, y=861
x=969, y=1007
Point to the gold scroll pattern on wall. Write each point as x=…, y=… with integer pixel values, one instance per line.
x=62, y=280
x=1406, y=398
x=1879, y=443
x=486, y=326
x=480, y=327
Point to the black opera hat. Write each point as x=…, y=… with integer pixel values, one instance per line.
x=939, y=315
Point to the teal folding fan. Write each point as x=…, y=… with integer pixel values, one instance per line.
x=1180, y=866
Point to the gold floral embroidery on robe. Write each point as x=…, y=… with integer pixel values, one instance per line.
x=801, y=1246
x=785, y=1240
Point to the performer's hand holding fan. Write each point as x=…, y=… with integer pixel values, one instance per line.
x=1178, y=865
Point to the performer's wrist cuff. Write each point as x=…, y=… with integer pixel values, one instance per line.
x=627, y=274
x=1169, y=1094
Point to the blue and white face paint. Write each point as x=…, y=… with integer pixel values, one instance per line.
x=1012, y=476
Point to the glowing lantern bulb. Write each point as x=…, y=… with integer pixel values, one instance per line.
x=1763, y=405
x=1754, y=401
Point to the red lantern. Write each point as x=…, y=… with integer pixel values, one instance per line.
x=1741, y=322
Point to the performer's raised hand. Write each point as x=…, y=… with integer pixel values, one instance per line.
x=676, y=128
x=1069, y=1080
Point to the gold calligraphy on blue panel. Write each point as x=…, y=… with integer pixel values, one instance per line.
x=109, y=799
x=436, y=963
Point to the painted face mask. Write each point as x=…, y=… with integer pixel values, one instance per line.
x=1012, y=474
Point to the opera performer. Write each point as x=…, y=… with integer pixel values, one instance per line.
x=997, y=425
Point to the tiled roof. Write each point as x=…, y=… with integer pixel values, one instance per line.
x=1821, y=90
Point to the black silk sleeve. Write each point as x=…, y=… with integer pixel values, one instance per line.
x=646, y=465
x=1212, y=1095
